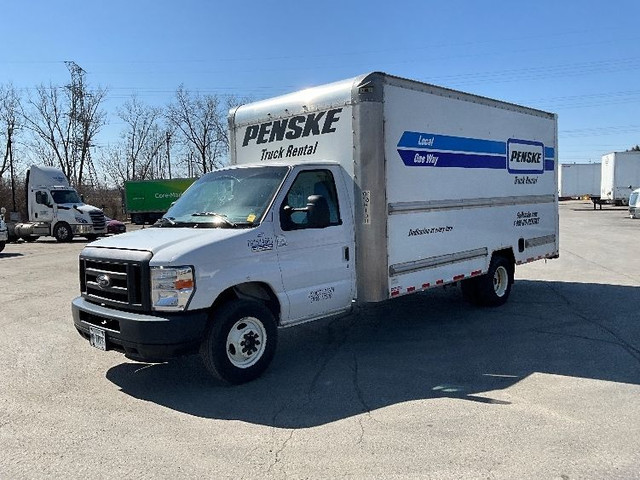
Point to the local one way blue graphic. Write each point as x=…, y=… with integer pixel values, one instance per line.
x=430, y=150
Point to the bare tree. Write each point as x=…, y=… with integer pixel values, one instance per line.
x=140, y=136
x=9, y=125
x=201, y=120
x=66, y=127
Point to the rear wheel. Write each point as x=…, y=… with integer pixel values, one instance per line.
x=494, y=287
x=240, y=342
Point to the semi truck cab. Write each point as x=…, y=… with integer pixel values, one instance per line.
x=56, y=209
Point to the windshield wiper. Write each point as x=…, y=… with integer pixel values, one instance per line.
x=217, y=215
x=164, y=221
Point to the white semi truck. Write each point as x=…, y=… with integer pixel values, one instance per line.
x=620, y=176
x=359, y=191
x=56, y=209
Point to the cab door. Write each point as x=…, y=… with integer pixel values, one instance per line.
x=316, y=256
x=43, y=208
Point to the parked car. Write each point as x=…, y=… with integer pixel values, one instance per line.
x=634, y=204
x=115, y=226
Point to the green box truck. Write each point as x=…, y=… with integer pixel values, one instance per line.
x=147, y=200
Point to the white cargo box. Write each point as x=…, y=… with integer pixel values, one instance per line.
x=441, y=179
x=579, y=180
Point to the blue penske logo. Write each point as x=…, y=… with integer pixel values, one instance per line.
x=441, y=151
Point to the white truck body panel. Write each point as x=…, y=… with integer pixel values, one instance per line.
x=620, y=175
x=579, y=179
x=436, y=193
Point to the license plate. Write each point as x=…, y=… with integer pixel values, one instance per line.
x=97, y=338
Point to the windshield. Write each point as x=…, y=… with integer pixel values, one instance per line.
x=226, y=198
x=633, y=198
x=65, y=196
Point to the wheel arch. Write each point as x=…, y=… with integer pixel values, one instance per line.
x=254, y=291
x=508, y=254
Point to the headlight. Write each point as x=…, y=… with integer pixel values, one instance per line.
x=171, y=288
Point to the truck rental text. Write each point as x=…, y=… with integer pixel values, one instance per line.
x=351, y=193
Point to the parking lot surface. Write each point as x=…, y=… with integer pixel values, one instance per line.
x=424, y=386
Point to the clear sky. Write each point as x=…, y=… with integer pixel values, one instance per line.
x=579, y=59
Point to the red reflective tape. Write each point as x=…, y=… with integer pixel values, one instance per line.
x=476, y=272
x=458, y=277
x=530, y=259
x=411, y=289
x=426, y=285
x=395, y=293
x=439, y=282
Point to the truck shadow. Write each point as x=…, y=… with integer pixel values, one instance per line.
x=10, y=255
x=423, y=346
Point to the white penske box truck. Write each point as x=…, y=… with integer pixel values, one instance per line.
x=620, y=176
x=351, y=193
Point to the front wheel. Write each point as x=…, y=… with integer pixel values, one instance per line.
x=62, y=232
x=240, y=342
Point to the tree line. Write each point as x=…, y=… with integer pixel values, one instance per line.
x=59, y=125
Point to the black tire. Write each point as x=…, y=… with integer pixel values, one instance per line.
x=30, y=238
x=62, y=232
x=240, y=341
x=91, y=237
x=494, y=287
x=2, y=244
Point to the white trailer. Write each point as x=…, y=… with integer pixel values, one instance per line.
x=620, y=176
x=354, y=192
x=579, y=180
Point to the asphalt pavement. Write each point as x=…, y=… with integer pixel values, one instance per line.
x=424, y=386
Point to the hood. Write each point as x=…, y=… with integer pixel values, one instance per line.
x=83, y=207
x=169, y=245
x=78, y=207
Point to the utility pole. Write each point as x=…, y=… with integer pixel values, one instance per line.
x=78, y=119
x=169, y=152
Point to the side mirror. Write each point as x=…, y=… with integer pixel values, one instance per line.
x=318, y=215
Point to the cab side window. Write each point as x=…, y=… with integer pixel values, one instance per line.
x=43, y=199
x=294, y=214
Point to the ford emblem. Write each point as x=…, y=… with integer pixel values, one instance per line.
x=103, y=280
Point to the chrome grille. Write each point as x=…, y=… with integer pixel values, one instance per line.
x=119, y=282
x=97, y=218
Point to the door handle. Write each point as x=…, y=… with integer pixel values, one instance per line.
x=345, y=251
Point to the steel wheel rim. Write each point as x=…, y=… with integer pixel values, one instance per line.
x=500, y=281
x=246, y=342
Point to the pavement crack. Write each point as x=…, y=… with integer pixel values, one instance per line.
x=277, y=454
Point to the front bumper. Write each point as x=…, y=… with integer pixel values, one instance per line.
x=143, y=336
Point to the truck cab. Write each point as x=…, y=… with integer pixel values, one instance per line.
x=56, y=209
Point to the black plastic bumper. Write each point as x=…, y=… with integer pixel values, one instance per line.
x=142, y=336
